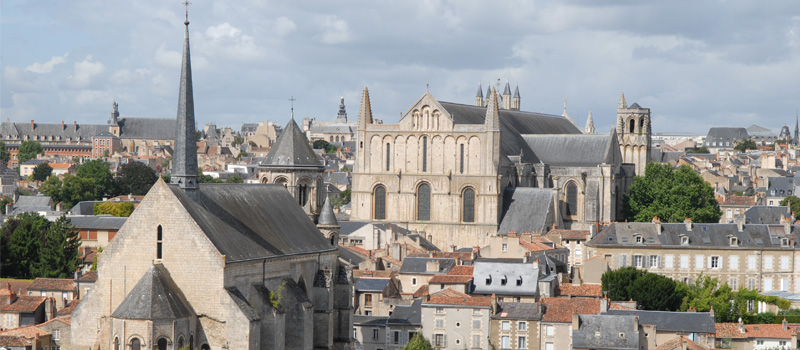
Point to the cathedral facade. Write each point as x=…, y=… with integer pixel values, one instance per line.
x=447, y=169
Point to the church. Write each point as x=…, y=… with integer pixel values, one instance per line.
x=217, y=266
x=453, y=170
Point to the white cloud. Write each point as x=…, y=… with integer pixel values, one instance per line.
x=167, y=58
x=229, y=42
x=129, y=77
x=334, y=30
x=284, y=26
x=47, y=67
x=84, y=73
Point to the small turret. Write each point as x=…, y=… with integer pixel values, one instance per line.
x=507, y=96
x=479, y=96
x=622, y=104
x=589, y=129
x=516, y=100
x=365, y=112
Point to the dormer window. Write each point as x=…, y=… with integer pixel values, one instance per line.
x=734, y=240
x=519, y=281
x=684, y=240
x=784, y=242
x=488, y=280
x=638, y=238
x=504, y=281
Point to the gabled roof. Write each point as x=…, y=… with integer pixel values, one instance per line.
x=292, y=150
x=561, y=309
x=606, y=332
x=455, y=298
x=774, y=331
x=518, y=311
x=147, y=128
x=670, y=321
x=418, y=265
x=252, y=221
x=527, y=209
x=155, y=297
x=573, y=150
x=701, y=235
x=98, y=222
x=505, y=278
x=57, y=284
x=407, y=314
x=374, y=285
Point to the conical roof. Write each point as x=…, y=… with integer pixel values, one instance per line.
x=155, y=297
x=516, y=91
x=326, y=216
x=184, y=161
x=480, y=91
x=292, y=150
x=507, y=89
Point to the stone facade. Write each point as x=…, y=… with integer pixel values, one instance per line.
x=634, y=131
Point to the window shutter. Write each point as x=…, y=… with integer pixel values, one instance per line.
x=709, y=262
x=445, y=340
x=658, y=258
x=622, y=260
x=719, y=259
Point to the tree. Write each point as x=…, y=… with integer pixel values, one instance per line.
x=135, y=178
x=237, y=140
x=166, y=177
x=793, y=202
x=22, y=237
x=42, y=171
x=234, y=179
x=69, y=191
x=344, y=198
x=240, y=155
x=697, y=150
x=3, y=202
x=29, y=150
x=118, y=209
x=59, y=255
x=618, y=282
x=322, y=144
x=744, y=145
x=671, y=195
x=5, y=156
x=98, y=172
x=418, y=342
x=655, y=292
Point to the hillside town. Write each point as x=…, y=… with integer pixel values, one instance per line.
x=467, y=224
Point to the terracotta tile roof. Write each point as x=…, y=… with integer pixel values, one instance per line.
x=421, y=292
x=570, y=234
x=681, y=343
x=24, y=303
x=18, y=286
x=63, y=319
x=452, y=297
x=392, y=261
x=774, y=331
x=358, y=250
x=59, y=284
x=90, y=276
x=740, y=200
x=449, y=279
x=69, y=309
x=14, y=341
x=561, y=309
x=29, y=332
x=584, y=290
x=461, y=270
x=374, y=273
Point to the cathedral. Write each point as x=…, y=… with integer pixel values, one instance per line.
x=217, y=266
x=451, y=170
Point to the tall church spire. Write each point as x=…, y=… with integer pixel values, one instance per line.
x=796, y=139
x=589, y=129
x=184, y=162
x=365, y=113
x=492, y=112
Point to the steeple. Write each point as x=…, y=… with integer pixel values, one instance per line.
x=516, y=100
x=492, y=112
x=114, y=114
x=566, y=115
x=365, y=113
x=488, y=93
x=507, y=96
x=589, y=129
x=342, y=116
x=622, y=104
x=796, y=139
x=184, y=162
x=479, y=96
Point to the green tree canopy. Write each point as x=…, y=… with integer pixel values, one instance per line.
x=59, y=255
x=744, y=145
x=3, y=202
x=42, y=171
x=135, y=178
x=655, y=292
x=29, y=150
x=98, y=172
x=697, y=150
x=418, y=342
x=118, y=209
x=22, y=237
x=618, y=282
x=5, y=156
x=322, y=144
x=70, y=191
x=234, y=179
x=671, y=195
x=793, y=203
x=343, y=199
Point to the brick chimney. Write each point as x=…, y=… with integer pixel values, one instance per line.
x=76, y=125
x=62, y=125
x=33, y=125
x=576, y=322
x=657, y=223
x=688, y=223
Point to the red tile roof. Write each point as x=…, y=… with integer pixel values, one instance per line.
x=23, y=303
x=584, y=290
x=450, y=279
x=452, y=297
x=90, y=276
x=774, y=331
x=14, y=341
x=461, y=270
x=63, y=319
x=18, y=286
x=740, y=200
x=70, y=308
x=570, y=234
x=57, y=284
x=561, y=309
x=681, y=343
x=29, y=332
x=421, y=292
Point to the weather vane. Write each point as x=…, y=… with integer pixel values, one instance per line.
x=292, y=99
x=187, y=3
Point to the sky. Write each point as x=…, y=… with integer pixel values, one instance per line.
x=695, y=64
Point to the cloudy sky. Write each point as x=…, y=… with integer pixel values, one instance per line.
x=695, y=64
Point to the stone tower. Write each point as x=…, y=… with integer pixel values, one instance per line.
x=479, y=96
x=113, y=123
x=184, y=162
x=633, y=133
x=515, y=100
x=507, y=96
x=342, y=116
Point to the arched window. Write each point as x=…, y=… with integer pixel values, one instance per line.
x=159, y=242
x=424, y=154
x=180, y=342
x=136, y=344
x=116, y=343
x=302, y=194
x=331, y=139
x=162, y=344
x=191, y=341
x=641, y=125
x=379, y=203
x=388, y=156
x=461, y=161
x=632, y=125
x=205, y=347
x=468, y=205
x=424, y=202
x=572, y=199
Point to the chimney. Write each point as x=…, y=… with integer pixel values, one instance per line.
x=740, y=225
x=787, y=225
x=688, y=223
x=742, y=328
x=62, y=125
x=636, y=323
x=9, y=208
x=494, y=304
x=657, y=223
x=604, y=305
x=76, y=125
x=32, y=124
x=59, y=206
x=711, y=311
x=576, y=322
x=784, y=324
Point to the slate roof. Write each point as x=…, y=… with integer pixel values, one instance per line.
x=147, y=128
x=518, y=311
x=407, y=314
x=326, y=215
x=526, y=209
x=84, y=208
x=606, y=332
x=252, y=221
x=137, y=128
x=292, y=150
x=573, y=150
x=56, y=284
x=418, y=265
x=691, y=322
x=350, y=256
x=513, y=124
x=721, y=135
x=102, y=222
x=505, y=278
x=34, y=201
x=780, y=186
x=762, y=214
x=702, y=236
x=374, y=285
x=155, y=297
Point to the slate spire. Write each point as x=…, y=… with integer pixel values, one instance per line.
x=796, y=139
x=184, y=162
x=480, y=91
x=479, y=96
x=326, y=216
